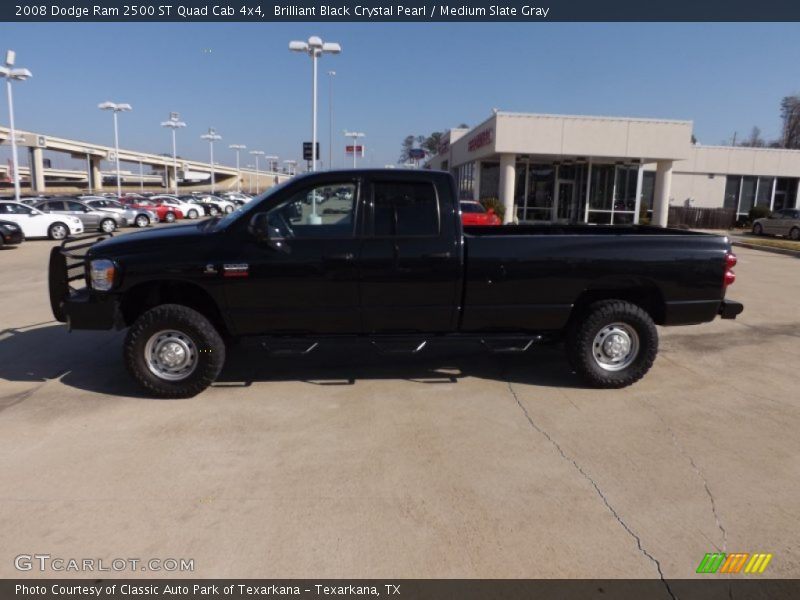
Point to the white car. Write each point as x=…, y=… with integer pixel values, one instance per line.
x=225, y=206
x=189, y=210
x=35, y=223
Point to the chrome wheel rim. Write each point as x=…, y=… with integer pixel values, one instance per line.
x=169, y=218
x=192, y=214
x=59, y=232
x=615, y=346
x=142, y=221
x=108, y=226
x=171, y=355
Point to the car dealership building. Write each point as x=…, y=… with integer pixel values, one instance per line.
x=581, y=169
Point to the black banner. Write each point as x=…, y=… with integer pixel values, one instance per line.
x=409, y=10
x=407, y=589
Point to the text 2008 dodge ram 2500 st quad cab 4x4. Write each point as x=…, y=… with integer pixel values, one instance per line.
x=381, y=255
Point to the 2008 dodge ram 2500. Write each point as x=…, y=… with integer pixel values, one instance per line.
x=381, y=255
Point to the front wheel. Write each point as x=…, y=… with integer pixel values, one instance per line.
x=142, y=221
x=213, y=211
x=192, y=214
x=758, y=229
x=173, y=351
x=794, y=234
x=170, y=217
x=614, y=345
x=108, y=226
x=58, y=231
x=228, y=210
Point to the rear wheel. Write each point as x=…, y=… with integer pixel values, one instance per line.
x=794, y=233
x=228, y=209
x=213, y=211
x=108, y=225
x=142, y=221
x=192, y=214
x=173, y=351
x=614, y=345
x=758, y=229
x=169, y=217
x=58, y=231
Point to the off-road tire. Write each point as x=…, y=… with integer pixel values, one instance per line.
x=207, y=340
x=581, y=336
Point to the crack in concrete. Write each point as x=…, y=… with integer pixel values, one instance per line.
x=698, y=472
x=597, y=489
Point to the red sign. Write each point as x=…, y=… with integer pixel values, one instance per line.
x=359, y=150
x=484, y=138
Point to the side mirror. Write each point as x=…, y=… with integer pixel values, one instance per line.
x=263, y=233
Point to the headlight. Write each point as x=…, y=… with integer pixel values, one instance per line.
x=101, y=273
x=9, y=226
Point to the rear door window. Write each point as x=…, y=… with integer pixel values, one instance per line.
x=405, y=209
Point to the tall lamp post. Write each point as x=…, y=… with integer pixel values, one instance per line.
x=257, y=153
x=291, y=166
x=237, y=148
x=174, y=123
x=116, y=108
x=212, y=136
x=271, y=162
x=12, y=74
x=331, y=75
x=355, y=135
x=315, y=48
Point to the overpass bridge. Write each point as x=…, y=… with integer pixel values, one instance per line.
x=92, y=178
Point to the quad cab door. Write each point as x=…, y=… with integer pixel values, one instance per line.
x=309, y=282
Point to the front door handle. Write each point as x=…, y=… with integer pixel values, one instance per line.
x=345, y=256
x=437, y=255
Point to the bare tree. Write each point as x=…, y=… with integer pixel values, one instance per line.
x=790, y=114
x=754, y=140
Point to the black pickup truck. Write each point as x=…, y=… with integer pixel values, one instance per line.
x=381, y=255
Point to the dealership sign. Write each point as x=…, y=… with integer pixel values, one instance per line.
x=484, y=138
x=357, y=150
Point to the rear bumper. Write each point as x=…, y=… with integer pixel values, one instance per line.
x=13, y=238
x=728, y=309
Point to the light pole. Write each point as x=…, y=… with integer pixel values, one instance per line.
x=355, y=135
x=116, y=108
x=238, y=147
x=257, y=153
x=12, y=74
x=212, y=136
x=271, y=161
x=174, y=123
x=314, y=47
x=250, y=179
x=331, y=75
x=291, y=165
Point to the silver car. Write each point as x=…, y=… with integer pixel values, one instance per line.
x=784, y=222
x=101, y=220
x=138, y=217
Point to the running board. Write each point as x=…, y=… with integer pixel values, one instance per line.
x=510, y=345
x=399, y=346
x=290, y=348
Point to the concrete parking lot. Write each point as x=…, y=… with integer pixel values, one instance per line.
x=354, y=465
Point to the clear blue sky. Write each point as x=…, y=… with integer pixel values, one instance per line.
x=392, y=79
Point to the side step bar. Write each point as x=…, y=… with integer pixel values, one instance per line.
x=512, y=345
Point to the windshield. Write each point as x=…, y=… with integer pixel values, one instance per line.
x=250, y=206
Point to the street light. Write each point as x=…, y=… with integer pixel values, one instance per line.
x=331, y=75
x=174, y=123
x=291, y=165
x=238, y=147
x=355, y=135
x=314, y=47
x=257, y=153
x=212, y=136
x=116, y=108
x=271, y=161
x=12, y=74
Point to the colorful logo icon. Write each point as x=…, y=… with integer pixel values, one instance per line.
x=720, y=562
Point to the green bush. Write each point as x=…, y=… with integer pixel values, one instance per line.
x=495, y=204
x=759, y=211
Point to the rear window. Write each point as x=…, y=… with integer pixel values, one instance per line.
x=405, y=209
x=471, y=207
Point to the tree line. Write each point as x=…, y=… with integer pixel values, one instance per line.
x=790, y=130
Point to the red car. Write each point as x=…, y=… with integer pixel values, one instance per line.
x=164, y=212
x=474, y=213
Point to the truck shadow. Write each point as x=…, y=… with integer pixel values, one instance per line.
x=92, y=362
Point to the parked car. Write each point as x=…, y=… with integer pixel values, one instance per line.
x=225, y=206
x=10, y=234
x=190, y=211
x=784, y=222
x=91, y=217
x=210, y=209
x=397, y=271
x=474, y=213
x=35, y=223
x=136, y=217
x=164, y=212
